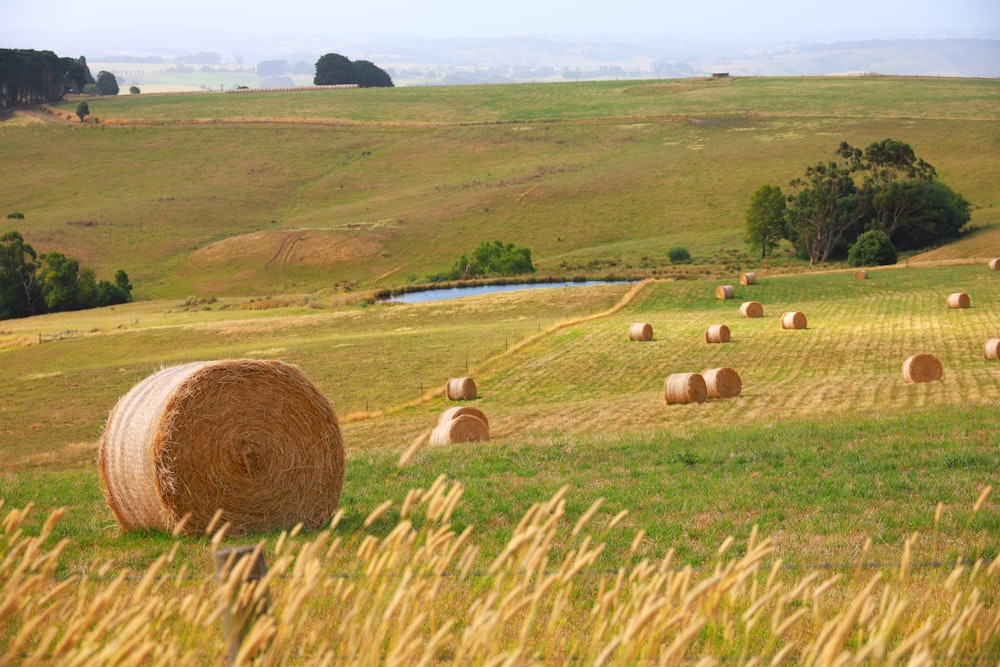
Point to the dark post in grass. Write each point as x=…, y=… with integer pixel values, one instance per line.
x=242, y=603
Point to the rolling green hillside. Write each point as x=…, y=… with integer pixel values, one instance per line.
x=254, y=193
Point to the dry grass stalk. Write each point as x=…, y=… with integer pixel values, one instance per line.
x=748, y=278
x=922, y=368
x=717, y=333
x=462, y=428
x=991, y=349
x=722, y=382
x=254, y=439
x=685, y=388
x=752, y=309
x=640, y=331
x=861, y=274
x=460, y=389
x=994, y=264
x=793, y=320
x=724, y=292
x=959, y=300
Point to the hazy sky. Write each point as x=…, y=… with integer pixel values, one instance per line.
x=840, y=19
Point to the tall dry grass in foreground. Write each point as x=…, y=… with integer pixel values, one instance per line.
x=421, y=593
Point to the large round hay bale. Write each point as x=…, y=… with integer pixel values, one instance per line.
x=748, y=278
x=640, y=331
x=724, y=292
x=722, y=382
x=861, y=274
x=752, y=309
x=685, y=388
x=994, y=264
x=793, y=320
x=458, y=411
x=959, y=300
x=460, y=389
x=254, y=439
x=922, y=368
x=717, y=333
x=991, y=348
x=463, y=428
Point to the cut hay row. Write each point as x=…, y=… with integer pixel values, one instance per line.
x=642, y=331
x=460, y=389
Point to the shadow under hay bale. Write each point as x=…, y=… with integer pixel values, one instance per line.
x=922, y=368
x=685, y=388
x=793, y=320
x=991, y=349
x=640, y=331
x=717, y=333
x=724, y=292
x=254, y=439
x=959, y=300
x=752, y=309
x=748, y=278
x=463, y=428
x=722, y=382
x=460, y=389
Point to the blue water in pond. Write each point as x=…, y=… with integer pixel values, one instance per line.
x=459, y=292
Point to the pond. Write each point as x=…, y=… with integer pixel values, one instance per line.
x=459, y=292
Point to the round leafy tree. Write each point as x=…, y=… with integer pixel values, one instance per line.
x=873, y=248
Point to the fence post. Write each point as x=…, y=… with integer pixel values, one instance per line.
x=242, y=604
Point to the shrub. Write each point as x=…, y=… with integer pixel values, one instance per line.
x=16, y=215
x=678, y=255
x=873, y=248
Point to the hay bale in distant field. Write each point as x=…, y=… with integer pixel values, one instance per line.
x=717, y=333
x=685, y=388
x=458, y=411
x=922, y=368
x=254, y=439
x=959, y=300
x=724, y=292
x=991, y=349
x=748, y=278
x=463, y=428
x=861, y=274
x=994, y=264
x=722, y=382
x=752, y=309
x=640, y=331
x=793, y=320
x=460, y=389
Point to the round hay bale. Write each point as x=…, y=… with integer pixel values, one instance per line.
x=748, y=278
x=793, y=320
x=994, y=264
x=640, y=331
x=463, y=428
x=460, y=389
x=861, y=274
x=991, y=349
x=254, y=439
x=685, y=388
x=722, y=382
x=922, y=368
x=458, y=411
x=724, y=292
x=959, y=300
x=752, y=309
x=717, y=333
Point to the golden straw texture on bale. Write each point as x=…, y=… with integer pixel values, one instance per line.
x=460, y=389
x=922, y=368
x=959, y=300
x=717, y=333
x=991, y=348
x=793, y=320
x=724, y=292
x=458, y=411
x=640, y=331
x=752, y=309
x=722, y=382
x=463, y=428
x=861, y=274
x=748, y=278
x=685, y=388
x=254, y=439
x=994, y=264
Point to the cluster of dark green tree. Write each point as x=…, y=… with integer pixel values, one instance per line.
x=32, y=284
x=884, y=195
x=334, y=69
x=37, y=77
x=490, y=259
